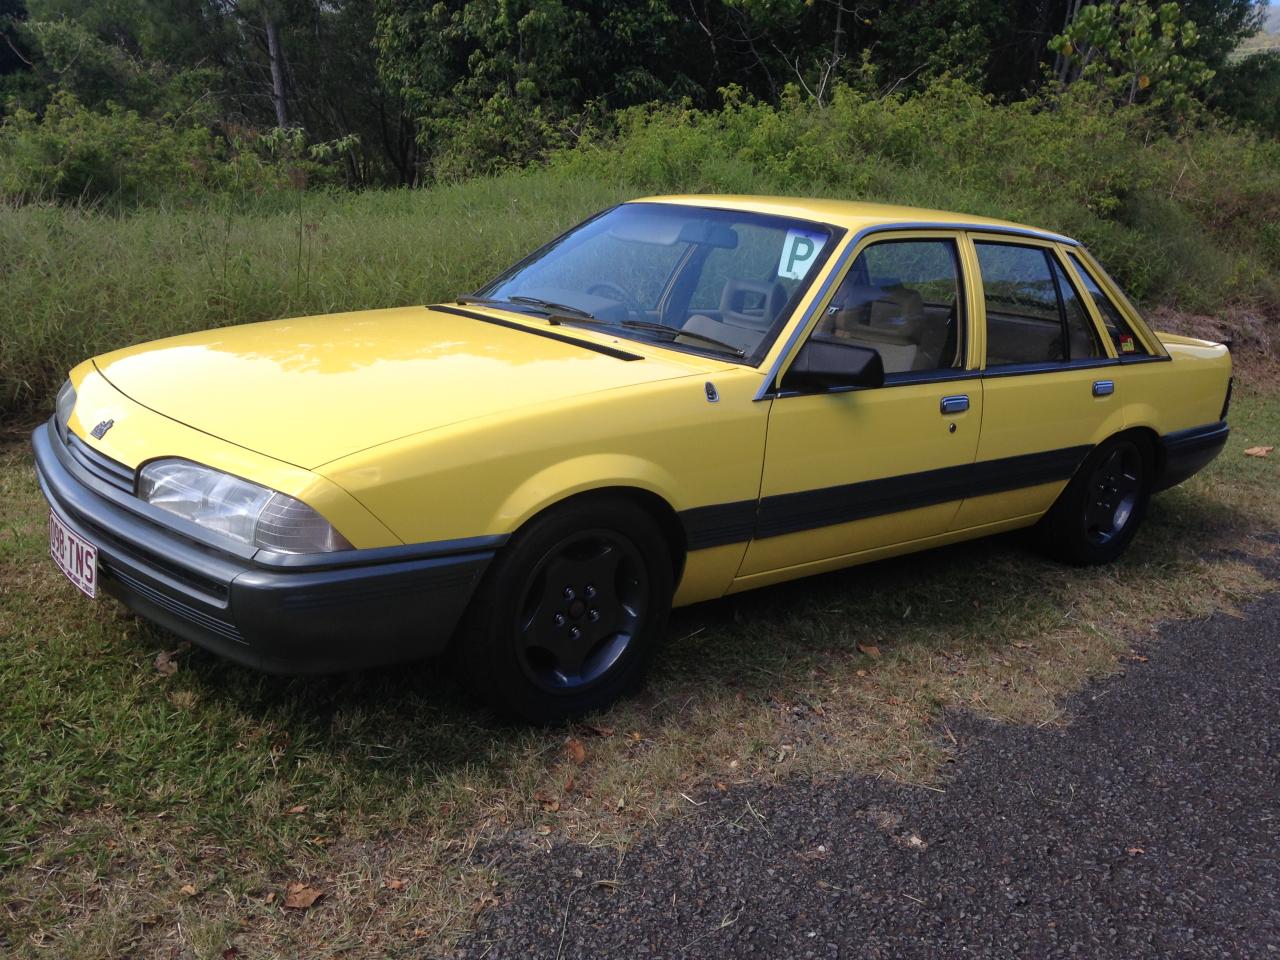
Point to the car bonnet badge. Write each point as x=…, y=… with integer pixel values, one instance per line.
x=101, y=429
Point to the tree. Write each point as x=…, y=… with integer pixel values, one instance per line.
x=1132, y=51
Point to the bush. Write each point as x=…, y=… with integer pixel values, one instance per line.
x=1188, y=220
x=72, y=152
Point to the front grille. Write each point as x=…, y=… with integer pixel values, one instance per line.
x=103, y=468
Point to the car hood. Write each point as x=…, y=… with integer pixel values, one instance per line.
x=313, y=389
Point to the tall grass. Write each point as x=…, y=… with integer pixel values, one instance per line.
x=75, y=281
x=1191, y=221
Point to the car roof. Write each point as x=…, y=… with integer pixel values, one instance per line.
x=854, y=215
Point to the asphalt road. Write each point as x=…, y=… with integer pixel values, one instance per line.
x=1148, y=827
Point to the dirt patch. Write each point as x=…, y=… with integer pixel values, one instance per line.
x=1252, y=331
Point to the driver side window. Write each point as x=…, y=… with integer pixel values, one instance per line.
x=901, y=298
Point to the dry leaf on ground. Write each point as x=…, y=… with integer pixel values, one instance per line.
x=300, y=896
x=1257, y=451
x=187, y=890
x=870, y=649
x=167, y=663
x=576, y=751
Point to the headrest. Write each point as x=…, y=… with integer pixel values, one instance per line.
x=752, y=303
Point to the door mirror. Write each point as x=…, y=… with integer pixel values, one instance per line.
x=828, y=365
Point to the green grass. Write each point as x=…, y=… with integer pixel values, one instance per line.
x=1189, y=222
x=144, y=815
x=78, y=282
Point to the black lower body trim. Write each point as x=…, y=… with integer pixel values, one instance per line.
x=793, y=512
x=1187, y=452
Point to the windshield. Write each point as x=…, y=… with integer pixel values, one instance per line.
x=703, y=280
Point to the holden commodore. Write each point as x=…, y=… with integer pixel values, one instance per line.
x=680, y=398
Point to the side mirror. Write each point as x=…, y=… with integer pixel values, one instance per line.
x=828, y=365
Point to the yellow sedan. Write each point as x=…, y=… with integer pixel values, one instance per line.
x=680, y=398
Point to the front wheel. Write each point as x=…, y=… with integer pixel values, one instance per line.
x=570, y=612
x=1099, y=512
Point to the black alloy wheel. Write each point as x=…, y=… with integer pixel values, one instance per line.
x=582, y=608
x=1099, y=512
x=570, y=612
x=1114, y=488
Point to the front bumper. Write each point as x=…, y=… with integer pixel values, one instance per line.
x=282, y=613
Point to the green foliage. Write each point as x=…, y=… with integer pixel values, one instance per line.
x=1250, y=90
x=122, y=158
x=74, y=152
x=1132, y=51
x=1107, y=176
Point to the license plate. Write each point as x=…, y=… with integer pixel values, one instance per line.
x=75, y=556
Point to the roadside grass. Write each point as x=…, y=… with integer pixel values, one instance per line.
x=151, y=815
x=80, y=281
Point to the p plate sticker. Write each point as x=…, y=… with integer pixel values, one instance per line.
x=799, y=251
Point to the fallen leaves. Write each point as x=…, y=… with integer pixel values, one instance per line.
x=549, y=803
x=166, y=663
x=870, y=649
x=299, y=896
x=187, y=890
x=296, y=809
x=393, y=884
x=1135, y=851
x=575, y=751
x=1259, y=451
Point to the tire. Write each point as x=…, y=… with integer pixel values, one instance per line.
x=570, y=613
x=1096, y=517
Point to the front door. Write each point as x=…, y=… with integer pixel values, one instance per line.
x=851, y=471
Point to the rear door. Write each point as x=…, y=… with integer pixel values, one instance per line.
x=1049, y=391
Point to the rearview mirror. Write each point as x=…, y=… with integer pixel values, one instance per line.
x=828, y=365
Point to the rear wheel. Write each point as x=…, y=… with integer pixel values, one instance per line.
x=570, y=612
x=1099, y=512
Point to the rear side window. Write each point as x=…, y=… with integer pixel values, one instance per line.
x=1024, y=322
x=1126, y=344
x=1034, y=312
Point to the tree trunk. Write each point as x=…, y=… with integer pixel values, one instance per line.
x=1061, y=64
x=276, y=56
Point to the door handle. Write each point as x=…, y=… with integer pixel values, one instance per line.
x=956, y=404
x=1104, y=388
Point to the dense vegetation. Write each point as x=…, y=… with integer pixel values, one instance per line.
x=157, y=174
x=407, y=91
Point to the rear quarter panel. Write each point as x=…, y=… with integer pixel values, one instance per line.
x=1186, y=391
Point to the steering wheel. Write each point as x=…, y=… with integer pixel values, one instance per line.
x=604, y=288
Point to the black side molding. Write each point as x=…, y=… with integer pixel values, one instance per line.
x=548, y=334
x=722, y=523
x=719, y=524
x=793, y=512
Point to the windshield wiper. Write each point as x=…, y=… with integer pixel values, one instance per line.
x=675, y=333
x=552, y=305
x=470, y=299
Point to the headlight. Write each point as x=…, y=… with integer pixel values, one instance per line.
x=236, y=508
x=65, y=404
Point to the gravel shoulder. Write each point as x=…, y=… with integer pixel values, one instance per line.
x=1148, y=826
